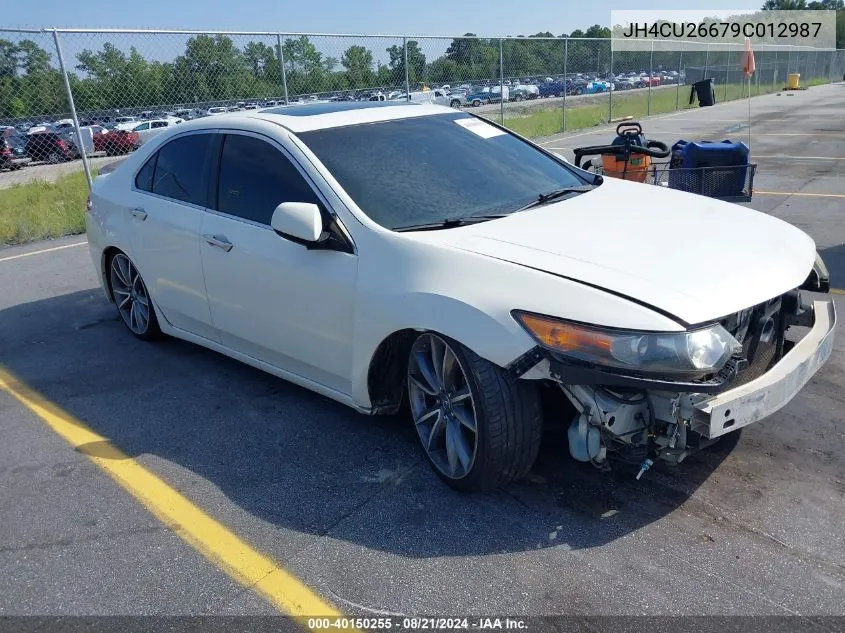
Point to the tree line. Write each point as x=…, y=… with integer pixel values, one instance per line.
x=213, y=68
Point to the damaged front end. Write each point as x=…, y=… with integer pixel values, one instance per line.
x=645, y=416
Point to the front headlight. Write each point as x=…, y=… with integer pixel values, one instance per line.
x=692, y=353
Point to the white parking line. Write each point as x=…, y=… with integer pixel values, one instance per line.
x=43, y=250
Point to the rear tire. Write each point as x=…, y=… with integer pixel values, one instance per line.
x=504, y=411
x=132, y=298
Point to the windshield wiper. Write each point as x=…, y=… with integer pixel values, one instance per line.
x=449, y=223
x=545, y=198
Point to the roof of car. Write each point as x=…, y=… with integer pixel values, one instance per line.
x=317, y=116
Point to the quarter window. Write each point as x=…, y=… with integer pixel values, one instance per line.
x=255, y=178
x=180, y=169
x=144, y=177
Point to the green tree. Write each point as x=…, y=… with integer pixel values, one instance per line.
x=358, y=62
x=416, y=61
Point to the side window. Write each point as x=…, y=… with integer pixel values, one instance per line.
x=143, y=126
x=159, y=124
x=180, y=169
x=144, y=177
x=255, y=178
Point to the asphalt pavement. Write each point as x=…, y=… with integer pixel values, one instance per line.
x=346, y=504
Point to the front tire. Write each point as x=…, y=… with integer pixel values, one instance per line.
x=132, y=299
x=479, y=427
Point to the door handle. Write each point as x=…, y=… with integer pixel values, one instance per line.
x=138, y=212
x=219, y=241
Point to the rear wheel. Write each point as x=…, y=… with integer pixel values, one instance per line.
x=54, y=157
x=476, y=103
x=455, y=103
x=479, y=426
x=132, y=298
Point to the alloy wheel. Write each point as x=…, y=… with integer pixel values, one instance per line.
x=130, y=294
x=442, y=406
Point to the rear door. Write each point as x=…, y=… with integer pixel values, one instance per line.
x=169, y=194
x=271, y=298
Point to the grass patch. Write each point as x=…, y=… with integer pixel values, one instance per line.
x=549, y=121
x=39, y=210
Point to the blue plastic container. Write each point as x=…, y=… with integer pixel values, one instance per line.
x=696, y=167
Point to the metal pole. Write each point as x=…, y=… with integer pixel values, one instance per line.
x=610, y=87
x=407, y=82
x=282, y=66
x=85, y=166
x=678, y=81
x=706, y=60
x=775, y=69
x=727, y=74
x=565, y=61
x=501, y=81
x=650, y=75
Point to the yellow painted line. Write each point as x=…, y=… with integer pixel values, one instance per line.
x=219, y=545
x=43, y=250
x=837, y=291
x=787, y=193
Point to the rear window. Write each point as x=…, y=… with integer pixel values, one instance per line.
x=421, y=170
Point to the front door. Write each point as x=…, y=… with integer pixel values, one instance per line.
x=271, y=298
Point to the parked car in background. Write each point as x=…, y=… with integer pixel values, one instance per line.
x=13, y=151
x=217, y=110
x=153, y=127
x=476, y=97
x=50, y=146
x=597, y=87
x=437, y=96
x=115, y=142
x=125, y=122
x=553, y=89
x=522, y=92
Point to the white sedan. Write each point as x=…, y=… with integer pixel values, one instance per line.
x=154, y=127
x=383, y=253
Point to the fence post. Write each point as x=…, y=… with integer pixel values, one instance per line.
x=407, y=82
x=706, y=60
x=678, y=81
x=565, y=61
x=610, y=86
x=727, y=73
x=815, y=65
x=650, y=75
x=501, y=81
x=282, y=66
x=85, y=166
x=776, y=68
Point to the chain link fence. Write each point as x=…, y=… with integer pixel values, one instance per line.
x=538, y=86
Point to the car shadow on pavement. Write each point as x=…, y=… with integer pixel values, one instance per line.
x=208, y=424
x=834, y=258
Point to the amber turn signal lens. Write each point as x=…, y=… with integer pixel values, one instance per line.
x=565, y=337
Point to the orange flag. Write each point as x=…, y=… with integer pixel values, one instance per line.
x=748, y=64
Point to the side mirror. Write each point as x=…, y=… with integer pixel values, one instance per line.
x=301, y=221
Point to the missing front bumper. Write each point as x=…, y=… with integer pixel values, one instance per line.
x=763, y=396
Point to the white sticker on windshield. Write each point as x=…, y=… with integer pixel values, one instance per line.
x=479, y=127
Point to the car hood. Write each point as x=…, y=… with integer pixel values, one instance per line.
x=690, y=256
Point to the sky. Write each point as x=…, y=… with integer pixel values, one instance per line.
x=420, y=17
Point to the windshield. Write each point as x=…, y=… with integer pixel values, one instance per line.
x=421, y=170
